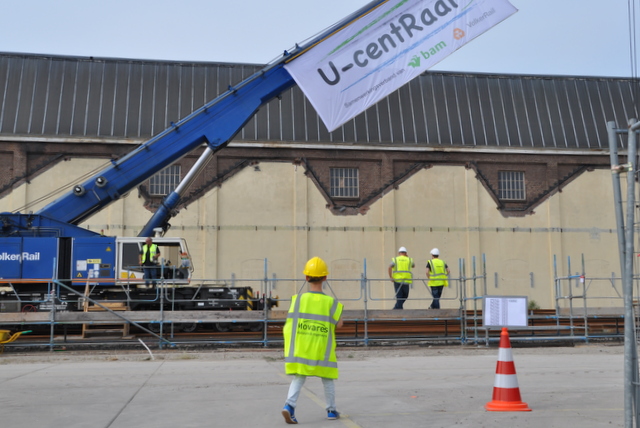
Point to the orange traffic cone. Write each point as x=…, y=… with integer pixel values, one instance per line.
x=506, y=393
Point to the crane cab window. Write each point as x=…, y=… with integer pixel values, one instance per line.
x=170, y=257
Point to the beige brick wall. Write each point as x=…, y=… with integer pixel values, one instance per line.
x=277, y=214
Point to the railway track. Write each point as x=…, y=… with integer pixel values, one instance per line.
x=542, y=324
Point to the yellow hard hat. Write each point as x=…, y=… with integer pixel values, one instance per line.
x=316, y=267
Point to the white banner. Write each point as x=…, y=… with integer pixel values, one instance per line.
x=378, y=53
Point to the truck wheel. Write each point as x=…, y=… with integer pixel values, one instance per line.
x=256, y=326
x=222, y=327
x=188, y=327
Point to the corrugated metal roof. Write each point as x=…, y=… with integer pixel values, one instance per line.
x=54, y=96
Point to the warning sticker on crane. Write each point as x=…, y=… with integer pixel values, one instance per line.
x=375, y=55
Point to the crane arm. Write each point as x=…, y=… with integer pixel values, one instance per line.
x=214, y=124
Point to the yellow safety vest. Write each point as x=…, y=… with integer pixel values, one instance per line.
x=402, y=269
x=438, y=275
x=152, y=252
x=309, y=335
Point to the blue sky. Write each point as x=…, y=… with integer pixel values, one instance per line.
x=569, y=37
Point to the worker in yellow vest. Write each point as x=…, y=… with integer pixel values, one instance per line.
x=400, y=274
x=149, y=255
x=310, y=340
x=438, y=276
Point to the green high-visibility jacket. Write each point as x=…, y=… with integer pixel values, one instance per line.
x=438, y=273
x=153, y=249
x=309, y=335
x=402, y=269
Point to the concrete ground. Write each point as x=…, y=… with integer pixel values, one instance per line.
x=378, y=388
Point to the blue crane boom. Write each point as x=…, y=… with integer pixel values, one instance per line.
x=36, y=248
x=214, y=124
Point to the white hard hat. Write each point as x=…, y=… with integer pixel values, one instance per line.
x=402, y=250
x=435, y=252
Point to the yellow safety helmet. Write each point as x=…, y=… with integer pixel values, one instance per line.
x=316, y=267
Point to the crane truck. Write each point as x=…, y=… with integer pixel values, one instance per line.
x=41, y=251
x=47, y=253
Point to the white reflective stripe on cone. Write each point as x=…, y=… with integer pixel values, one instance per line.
x=504, y=354
x=506, y=381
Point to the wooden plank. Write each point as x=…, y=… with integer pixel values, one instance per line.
x=618, y=311
x=137, y=316
x=242, y=316
x=114, y=306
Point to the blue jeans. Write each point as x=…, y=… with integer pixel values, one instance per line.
x=296, y=387
x=150, y=274
x=436, y=292
x=402, y=293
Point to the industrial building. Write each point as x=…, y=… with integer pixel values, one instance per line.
x=508, y=175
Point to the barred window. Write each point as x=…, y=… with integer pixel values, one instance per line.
x=344, y=182
x=165, y=181
x=511, y=185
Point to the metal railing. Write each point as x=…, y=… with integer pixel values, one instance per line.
x=367, y=301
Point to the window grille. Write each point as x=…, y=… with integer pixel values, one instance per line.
x=344, y=182
x=165, y=181
x=511, y=185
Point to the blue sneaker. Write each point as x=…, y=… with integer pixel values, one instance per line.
x=288, y=413
x=333, y=414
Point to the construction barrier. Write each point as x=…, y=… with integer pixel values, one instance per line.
x=506, y=392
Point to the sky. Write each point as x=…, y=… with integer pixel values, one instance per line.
x=545, y=37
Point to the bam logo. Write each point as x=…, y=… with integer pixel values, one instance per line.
x=415, y=61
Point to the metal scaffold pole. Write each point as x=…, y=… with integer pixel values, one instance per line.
x=626, y=249
x=617, y=193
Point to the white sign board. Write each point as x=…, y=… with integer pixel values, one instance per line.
x=364, y=62
x=504, y=311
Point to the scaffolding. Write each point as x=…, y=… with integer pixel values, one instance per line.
x=577, y=296
x=626, y=228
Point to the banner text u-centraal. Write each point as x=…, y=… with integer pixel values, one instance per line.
x=400, y=31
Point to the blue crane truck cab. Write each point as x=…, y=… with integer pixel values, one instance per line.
x=105, y=267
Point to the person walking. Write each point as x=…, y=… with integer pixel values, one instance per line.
x=310, y=340
x=400, y=274
x=149, y=255
x=438, y=276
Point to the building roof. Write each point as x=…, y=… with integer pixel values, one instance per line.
x=64, y=97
